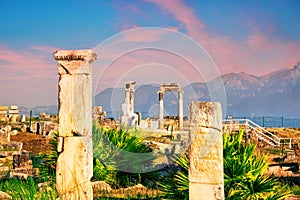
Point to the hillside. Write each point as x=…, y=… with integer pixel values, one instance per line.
x=274, y=94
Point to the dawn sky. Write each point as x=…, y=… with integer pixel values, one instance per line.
x=256, y=37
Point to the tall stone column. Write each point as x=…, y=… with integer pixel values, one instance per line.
x=131, y=100
x=74, y=167
x=206, y=178
x=127, y=96
x=180, y=110
x=130, y=92
x=161, y=109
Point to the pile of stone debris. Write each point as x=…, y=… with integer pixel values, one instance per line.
x=13, y=160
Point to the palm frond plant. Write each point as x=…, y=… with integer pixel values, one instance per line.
x=47, y=161
x=27, y=189
x=118, y=149
x=244, y=172
x=176, y=182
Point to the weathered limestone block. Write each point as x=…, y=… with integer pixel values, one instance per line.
x=206, y=178
x=74, y=61
x=101, y=186
x=75, y=91
x=4, y=169
x=75, y=169
x=13, y=132
x=14, y=145
x=75, y=117
x=5, y=196
x=4, y=138
x=3, y=113
x=24, y=172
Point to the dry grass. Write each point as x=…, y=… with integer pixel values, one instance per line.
x=286, y=132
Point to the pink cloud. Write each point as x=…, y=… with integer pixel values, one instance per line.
x=142, y=35
x=27, y=63
x=46, y=49
x=30, y=75
x=258, y=54
x=146, y=65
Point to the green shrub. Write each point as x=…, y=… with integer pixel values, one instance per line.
x=46, y=162
x=244, y=172
x=116, y=149
x=295, y=189
x=27, y=189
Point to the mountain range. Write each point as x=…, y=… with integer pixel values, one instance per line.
x=276, y=94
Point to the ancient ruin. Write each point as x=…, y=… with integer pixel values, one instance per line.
x=3, y=113
x=13, y=113
x=75, y=162
x=129, y=118
x=206, y=178
x=12, y=154
x=169, y=87
x=98, y=113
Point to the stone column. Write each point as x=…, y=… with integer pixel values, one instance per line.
x=131, y=100
x=206, y=178
x=161, y=109
x=74, y=167
x=127, y=96
x=180, y=110
x=130, y=92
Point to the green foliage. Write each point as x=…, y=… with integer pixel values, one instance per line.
x=27, y=189
x=176, y=182
x=46, y=162
x=244, y=172
x=104, y=172
x=295, y=189
x=116, y=149
x=181, y=177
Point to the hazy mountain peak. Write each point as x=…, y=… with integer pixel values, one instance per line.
x=297, y=66
x=275, y=94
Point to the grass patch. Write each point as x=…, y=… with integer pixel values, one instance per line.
x=295, y=189
x=27, y=189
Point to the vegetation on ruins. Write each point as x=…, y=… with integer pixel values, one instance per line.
x=244, y=172
x=244, y=169
x=176, y=182
x=109, y=147
x=28, y=189
x=46, y=162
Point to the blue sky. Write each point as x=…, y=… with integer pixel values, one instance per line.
x=256, y=37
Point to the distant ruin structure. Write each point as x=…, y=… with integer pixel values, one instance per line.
x=128, y=117
x=170, y=87
x=98, y=113
x=13, y=113
x=3, y=113
x=75, y=162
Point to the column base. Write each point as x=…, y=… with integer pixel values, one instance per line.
x=201, y=191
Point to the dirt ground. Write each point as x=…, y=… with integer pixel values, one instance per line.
x=32, y=142
x=286, y=132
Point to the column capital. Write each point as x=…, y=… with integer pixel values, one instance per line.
x=74, y=61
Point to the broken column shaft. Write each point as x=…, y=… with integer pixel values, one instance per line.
x=74, y=167
x=206, y=178
x=161, y=109
x=180, y=110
